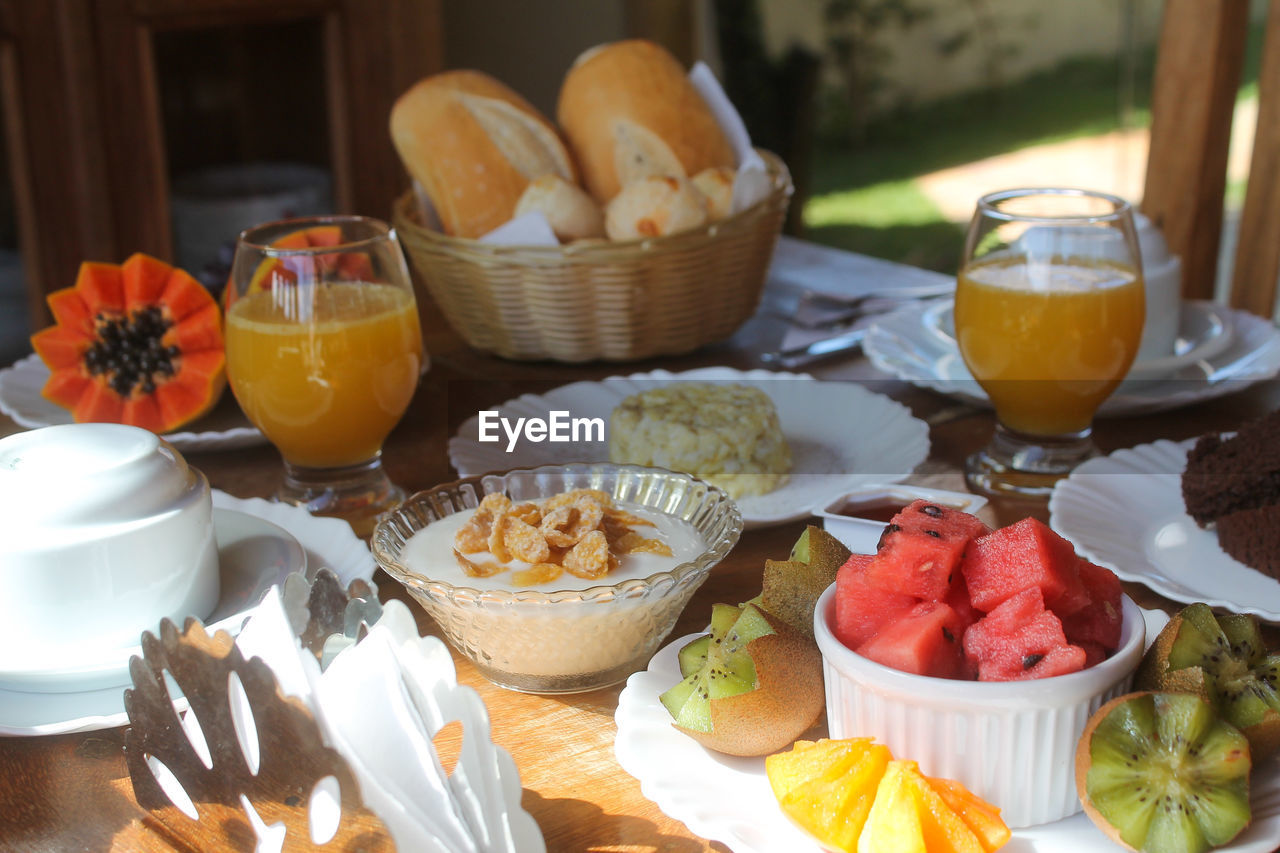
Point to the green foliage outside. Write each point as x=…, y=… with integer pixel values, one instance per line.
x=863, y=196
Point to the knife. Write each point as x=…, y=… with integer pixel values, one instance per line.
x=849, y=309
x=817, y=350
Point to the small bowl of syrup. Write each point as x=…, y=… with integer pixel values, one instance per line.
x=858, y=518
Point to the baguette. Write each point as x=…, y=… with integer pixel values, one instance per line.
x=474, y=145
x=629, y=111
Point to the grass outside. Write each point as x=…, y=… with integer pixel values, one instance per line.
x=864, y=198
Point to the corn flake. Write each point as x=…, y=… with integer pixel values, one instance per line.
x=536, y=574
x=523, y=541
x=495, y=504
x=473, y=537
x=528, y=513
x=590, y=558
x=569, y=497
x=477, y=570
x=629, y=519
x=578, y=531
x=633, y=543
x=497, y=541
x=555, y=526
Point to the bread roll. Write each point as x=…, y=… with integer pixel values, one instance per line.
x=629, y=111
x=474, y=145
x=716, y=184
x=653, y=207
x=573, y=214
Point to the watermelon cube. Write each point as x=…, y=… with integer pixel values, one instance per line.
x=958, y=600
x=1025, y=554
x=1060, y=660
x=1098, y=622
x=862, y=610
x=1093, y=653
x=924, y=641
x=1020, y=639
x=921, y=549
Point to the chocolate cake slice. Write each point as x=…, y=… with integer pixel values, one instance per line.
x=1225, y=475
x=1252, y=536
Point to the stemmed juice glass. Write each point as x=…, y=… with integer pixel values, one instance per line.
x=324, y=352
x=1048, y=317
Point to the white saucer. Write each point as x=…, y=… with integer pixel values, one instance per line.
x=830, y=455
x=1204, y=330
x=327, y=542
x=1208, y=365
x=20, y=399
x=253, y=554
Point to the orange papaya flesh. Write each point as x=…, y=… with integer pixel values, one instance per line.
x=140, y=343
x=60, y=347
x=101, y=286
x=69, y=310
x=284, y=272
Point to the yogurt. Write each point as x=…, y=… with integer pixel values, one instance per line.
x=429, y=552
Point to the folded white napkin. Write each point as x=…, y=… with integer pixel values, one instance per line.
x=380, y=703
x=752, y=182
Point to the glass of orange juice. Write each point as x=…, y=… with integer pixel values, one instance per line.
x=1048, y=315
x=324, y=352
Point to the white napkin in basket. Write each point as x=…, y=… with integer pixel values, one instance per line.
x=379, y=704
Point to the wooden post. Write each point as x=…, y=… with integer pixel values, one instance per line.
x=1197, y=79
x=1257, y=260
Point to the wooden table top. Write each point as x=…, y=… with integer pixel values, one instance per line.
x=72, y=792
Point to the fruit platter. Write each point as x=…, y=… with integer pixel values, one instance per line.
x=711, y=745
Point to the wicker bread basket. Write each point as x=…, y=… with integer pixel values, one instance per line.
x=601, y=300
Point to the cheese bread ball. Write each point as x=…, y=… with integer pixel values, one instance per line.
x=654, y=207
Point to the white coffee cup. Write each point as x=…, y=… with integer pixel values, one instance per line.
x=1162, y=273
x=107, y=531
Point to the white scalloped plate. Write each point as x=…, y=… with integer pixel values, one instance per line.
x=1125, y=511
x=728, y=799
x=842, y=436
x=328, y=543
x=20, y=399
x=909, y=345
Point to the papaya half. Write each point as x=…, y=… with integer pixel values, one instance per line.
x=137, y=343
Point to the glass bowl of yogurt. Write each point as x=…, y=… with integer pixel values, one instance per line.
x=581, y=630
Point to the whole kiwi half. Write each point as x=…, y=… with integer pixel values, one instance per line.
x=1221, y=657
x=1163, y=772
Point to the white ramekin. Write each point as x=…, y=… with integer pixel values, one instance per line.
x=1011, y=743
x=860, y=535
x=107, y=531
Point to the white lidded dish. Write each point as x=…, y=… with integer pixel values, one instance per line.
x=107, y=531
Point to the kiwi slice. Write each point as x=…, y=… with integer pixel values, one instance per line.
x=717, y=667
x=1163, y=772
x=791, y=587
x=749, y=688
x=1224, y=659
x=693, y=655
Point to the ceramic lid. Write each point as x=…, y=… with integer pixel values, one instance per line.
x=88, y=474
